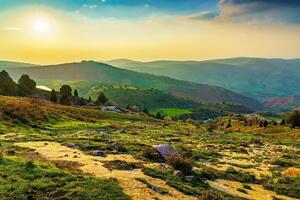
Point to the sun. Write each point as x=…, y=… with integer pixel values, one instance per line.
x=41, y=26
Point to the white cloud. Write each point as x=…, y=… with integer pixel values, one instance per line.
x=90, y=6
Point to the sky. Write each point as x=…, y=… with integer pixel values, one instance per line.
x=57, y=31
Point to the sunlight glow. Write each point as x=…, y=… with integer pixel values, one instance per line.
x=41, y=26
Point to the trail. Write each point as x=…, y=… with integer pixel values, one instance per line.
x=94, y=166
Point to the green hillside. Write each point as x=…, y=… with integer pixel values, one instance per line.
x=255, y=77
x=103, y=73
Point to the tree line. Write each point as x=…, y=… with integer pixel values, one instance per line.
x=27, y=87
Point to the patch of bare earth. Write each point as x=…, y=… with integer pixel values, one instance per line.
x=257, y=192
x=96, y=166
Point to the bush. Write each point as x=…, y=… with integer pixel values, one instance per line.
x=294, y=119
x=178, y=162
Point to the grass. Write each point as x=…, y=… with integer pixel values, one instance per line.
x=64, y=124
x=172, y=112
x=22, y=179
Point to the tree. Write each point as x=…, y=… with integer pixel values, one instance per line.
x=65, y=100
x=53, y=96
x=101, y=99
x=26, y=85
x=7, y=85
x=66, y=90
x=90, y=99
x=294, y=119
x=146, y=111
x=266, y=123
x=76, y=93
x=282, y=122
x=158, y=116
x=81, y=101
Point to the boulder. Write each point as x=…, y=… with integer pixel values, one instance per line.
x=165, y=150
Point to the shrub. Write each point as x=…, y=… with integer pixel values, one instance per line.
x=178, y=162
x=294, y=119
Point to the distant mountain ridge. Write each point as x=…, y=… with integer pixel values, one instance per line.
x=104, y=73
x=254, y=77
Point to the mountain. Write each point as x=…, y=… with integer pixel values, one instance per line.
x=104, y=73
x=9, y=64
x=254, y=77
x=287, y=102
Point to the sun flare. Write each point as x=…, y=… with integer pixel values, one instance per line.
x=41, y=26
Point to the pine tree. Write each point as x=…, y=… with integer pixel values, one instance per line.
x=26, y=85
x=53, y=96
x=76, y=93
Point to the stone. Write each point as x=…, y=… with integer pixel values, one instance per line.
x=189, y=178
x=165, y=150
x=123, y=130
x=177, y=173
x=97, y=153
x=71, y=145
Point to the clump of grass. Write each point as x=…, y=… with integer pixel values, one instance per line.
x=248, y=187
x=232, y=174
x=289, y=186
x=242, y=190
x=29, y=164
x=152, y=187
x=181, y=163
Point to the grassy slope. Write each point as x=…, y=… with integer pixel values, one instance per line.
x=100, y=72
x=141, y=134
x=255, y=77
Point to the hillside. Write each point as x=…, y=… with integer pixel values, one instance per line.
x=255, y=77
x=287, y=102
x=69, y=152
x=9, y=64
x=103, y=73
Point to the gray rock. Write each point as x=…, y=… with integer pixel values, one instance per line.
x=189, y=178
x=97, y=153
x=71, y=145
x=123, y=130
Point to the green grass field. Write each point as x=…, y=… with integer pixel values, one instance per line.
x=172, y=112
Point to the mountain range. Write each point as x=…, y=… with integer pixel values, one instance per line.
x=258, y=78
x=105, y=73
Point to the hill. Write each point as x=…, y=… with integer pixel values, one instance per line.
x=9, y=64
x=287, y=102
x=104, y=73
x=254, y=77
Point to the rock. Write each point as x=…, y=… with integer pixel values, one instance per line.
x=189, y=178
x=123, y=130
x=97, y=153
x=71, y=145
x=115, y=152
x=165, y=150
x=177, y=173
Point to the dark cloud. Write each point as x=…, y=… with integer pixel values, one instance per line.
x=263, y=10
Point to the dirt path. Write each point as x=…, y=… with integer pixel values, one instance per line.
x=94, y=165
x=257, y=193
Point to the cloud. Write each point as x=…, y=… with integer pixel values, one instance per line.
x=260, y=10
x=203, y=16
x=90, y=6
